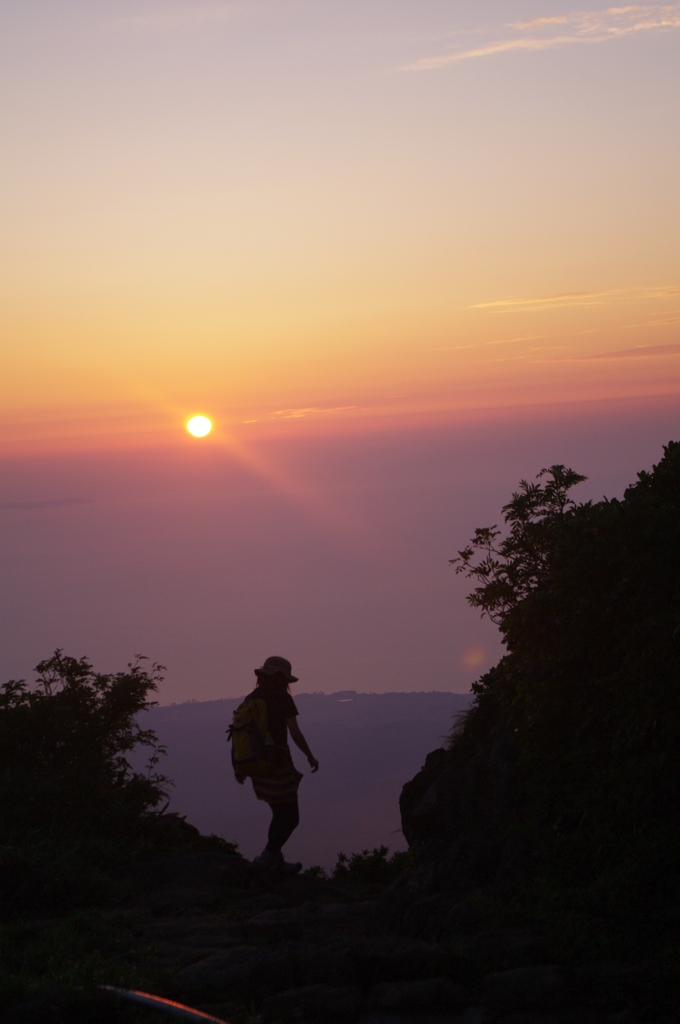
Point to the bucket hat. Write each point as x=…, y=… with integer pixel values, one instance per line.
x=273, y=665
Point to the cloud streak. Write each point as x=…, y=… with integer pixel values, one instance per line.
x=641, y=352
x=545, y=302
x=568, y=299
x=564, y=30
x=315, y=411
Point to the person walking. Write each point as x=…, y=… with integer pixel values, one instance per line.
x=279, y=786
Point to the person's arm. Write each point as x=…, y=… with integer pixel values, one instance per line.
x=299, y=741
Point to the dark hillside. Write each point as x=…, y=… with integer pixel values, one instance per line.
x=560, y=791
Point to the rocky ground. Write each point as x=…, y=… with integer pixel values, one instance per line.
x=310, y=949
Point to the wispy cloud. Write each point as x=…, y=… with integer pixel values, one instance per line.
x=567, y=299
x=641, y=352
x=545, y=301
x=669, y=315
x=564, y=30
x=298, y=414
x=452, y=348
x=511, y=341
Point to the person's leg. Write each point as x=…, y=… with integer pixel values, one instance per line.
x=285, y=819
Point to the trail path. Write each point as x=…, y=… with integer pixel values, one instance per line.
x=308, y=949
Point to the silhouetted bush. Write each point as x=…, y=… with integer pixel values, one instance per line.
x=71, y=807
x=587, y=597
x=63, y=746
x=374, y=866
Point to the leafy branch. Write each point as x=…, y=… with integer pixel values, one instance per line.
x=510, y=569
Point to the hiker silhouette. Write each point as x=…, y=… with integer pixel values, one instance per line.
x=263, y=722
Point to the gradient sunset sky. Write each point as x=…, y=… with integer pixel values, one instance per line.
x=368, y=239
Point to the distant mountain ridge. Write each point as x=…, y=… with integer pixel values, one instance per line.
x=368, y=744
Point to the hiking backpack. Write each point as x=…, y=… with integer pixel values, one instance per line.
x=251, y=745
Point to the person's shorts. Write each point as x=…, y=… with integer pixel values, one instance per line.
x=279, y=786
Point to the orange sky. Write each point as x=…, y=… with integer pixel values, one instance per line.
x=308, y=216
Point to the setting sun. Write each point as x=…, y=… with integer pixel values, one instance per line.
x=199, y=426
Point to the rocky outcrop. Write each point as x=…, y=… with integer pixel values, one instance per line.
x=458, y=798
x=455, y=815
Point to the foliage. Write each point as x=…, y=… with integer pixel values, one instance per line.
x=587, y=597
x=375, y=866
x=83, y=950
x=63, y=746
x=517, y=566
x=315, y=871
x=52, y=970
x=72, y=810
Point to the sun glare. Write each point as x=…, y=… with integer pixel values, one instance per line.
x=199, y=426
x=474, y=657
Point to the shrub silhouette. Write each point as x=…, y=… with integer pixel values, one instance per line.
x=587, y=598
x=63, y=747
x=374, y=866
x=72, y=810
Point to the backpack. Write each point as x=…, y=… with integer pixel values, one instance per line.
x=252, y=748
